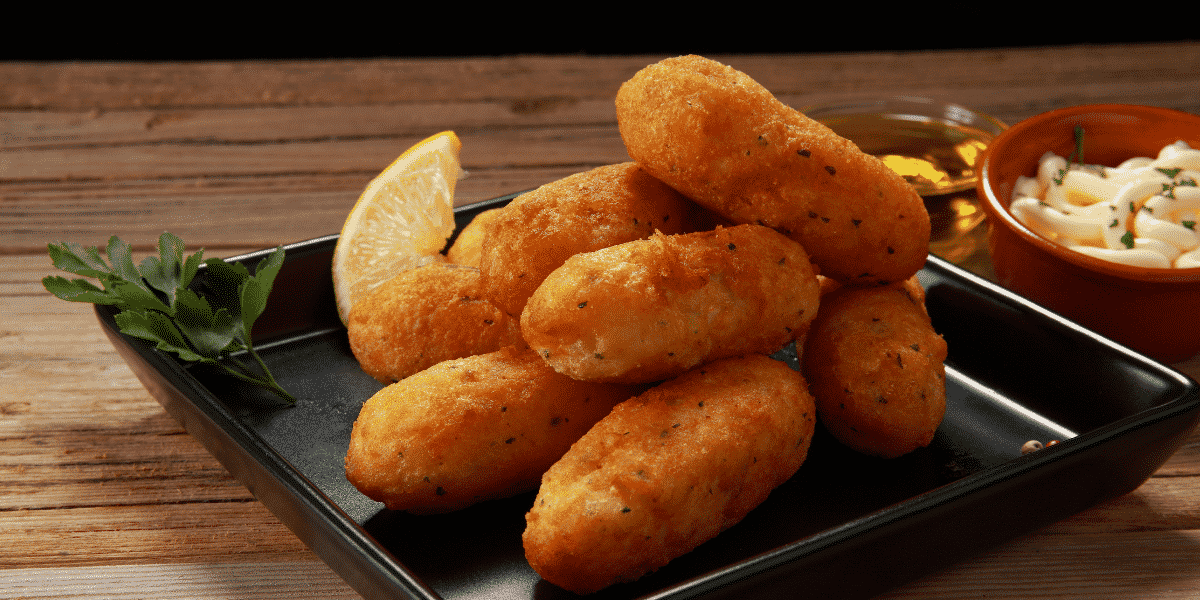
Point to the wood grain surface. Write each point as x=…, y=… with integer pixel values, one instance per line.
x=103, y=495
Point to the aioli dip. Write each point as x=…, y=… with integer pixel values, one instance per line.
x=1143, y=212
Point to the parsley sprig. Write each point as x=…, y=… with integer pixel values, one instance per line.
x=156, y=303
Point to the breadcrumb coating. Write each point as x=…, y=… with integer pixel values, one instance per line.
x=424, y=316
x=875, y=365
x=539, y=230
x=471, y=429
x=467, y=248
x=667, y=471
x=651, y=309
x=723, y=140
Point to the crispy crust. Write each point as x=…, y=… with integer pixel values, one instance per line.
x=874, y=364
x=422, y=317
x=539, y=230
x=651, y=309
x=467, y=248
x=723, y=140
x=471, y=429
x=668, y=470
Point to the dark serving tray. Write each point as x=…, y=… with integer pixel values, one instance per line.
x=845, y=526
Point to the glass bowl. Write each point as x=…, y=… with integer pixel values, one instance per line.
x=934, y=145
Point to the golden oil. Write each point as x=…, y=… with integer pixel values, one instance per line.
x=935, y=156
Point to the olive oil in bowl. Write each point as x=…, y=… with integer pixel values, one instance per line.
x=936, y=156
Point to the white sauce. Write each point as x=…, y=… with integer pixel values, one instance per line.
x=1142, y=212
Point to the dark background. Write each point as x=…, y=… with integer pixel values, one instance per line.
x=330, y=30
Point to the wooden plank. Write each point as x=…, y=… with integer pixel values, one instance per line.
x=91, y=85
x=146, y=533
x=509, y=148
x=1146, y=564
x=214, y=213
x=274, y=124
x=112, y=461
x=1034, y=568
x=534, y=79
x=244, y=581
x=1162, y=503
x=77, y=428
x=528, y=91
x=1013, y=83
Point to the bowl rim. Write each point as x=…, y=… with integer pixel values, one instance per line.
x=931, y=107
x=1001, y=215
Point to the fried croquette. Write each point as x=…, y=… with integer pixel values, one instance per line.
x=651, y=309
x=424, y=316
x=468, y=246
x=668, y=470
x=539, y=230
x=471, y=429
x=875, y=365
x=723, y=140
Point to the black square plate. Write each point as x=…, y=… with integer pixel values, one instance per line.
x=844, y=526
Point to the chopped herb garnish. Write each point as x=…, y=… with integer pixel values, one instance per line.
x=1127, y=239
x=1169, y=188
x=157, y=305
x=1189, y=224
x=1169, y=172
x=1076, y=156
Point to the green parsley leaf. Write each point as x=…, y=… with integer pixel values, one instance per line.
x=1127, y=239
x=254, y=290
x=1189, y=224
x=1169, y=172
x=77, y=290
x=156, y=303
x=156, y=327
x=168, y=272
x=210, y=332
x=73, y=258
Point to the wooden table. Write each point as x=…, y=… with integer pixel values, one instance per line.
x=102, y=494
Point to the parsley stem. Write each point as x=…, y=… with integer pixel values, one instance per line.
x=274, y=386
x=244, y=374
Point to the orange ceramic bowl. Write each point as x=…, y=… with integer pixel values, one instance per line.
x=1153, y=311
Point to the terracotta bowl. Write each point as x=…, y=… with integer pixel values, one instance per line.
x=1153, y=311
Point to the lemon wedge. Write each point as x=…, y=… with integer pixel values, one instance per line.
x=402, y=220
